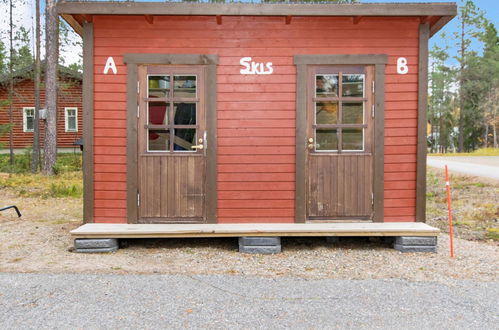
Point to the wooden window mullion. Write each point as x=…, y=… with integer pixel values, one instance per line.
x=340, y=112
x=171, y=113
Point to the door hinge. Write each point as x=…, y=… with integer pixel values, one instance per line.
x=138, y=199
x=372, y=110
x=373, y=86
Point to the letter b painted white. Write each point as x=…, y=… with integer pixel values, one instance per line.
x=402, y=67
x=110, y=65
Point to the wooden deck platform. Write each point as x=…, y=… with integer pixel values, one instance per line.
x=104, y=230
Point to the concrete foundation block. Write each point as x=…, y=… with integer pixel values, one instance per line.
x=415, y=248
x=269, y=249
x=259, y=241
x=332, y=239
x=99, y=250
x=416, y=240
x=96, y=245
x=262, y=245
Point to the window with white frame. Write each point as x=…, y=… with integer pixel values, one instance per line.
x=71, y=115
x=28, y=119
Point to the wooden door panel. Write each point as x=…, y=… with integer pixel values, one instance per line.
x=172, y=188
x=339, y=184
x=172, y=181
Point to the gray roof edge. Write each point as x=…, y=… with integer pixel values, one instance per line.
x=254, y=9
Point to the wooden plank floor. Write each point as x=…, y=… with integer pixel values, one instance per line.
x=108, y=230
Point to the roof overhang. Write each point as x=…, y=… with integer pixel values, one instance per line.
x=436, y=14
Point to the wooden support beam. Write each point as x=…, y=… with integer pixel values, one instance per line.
x=219, y=19
x=87, y=18
x=356, y=19
x=149, y=19
x=425, y=19
x=73, y=23
x=288, y=19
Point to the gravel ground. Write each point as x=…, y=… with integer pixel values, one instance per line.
x=40, y=242
x=31, y=301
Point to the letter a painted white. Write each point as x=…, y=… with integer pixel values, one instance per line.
x=110, y=65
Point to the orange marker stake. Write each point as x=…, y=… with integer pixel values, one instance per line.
x=449, y=207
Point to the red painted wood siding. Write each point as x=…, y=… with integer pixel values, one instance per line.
x=24, y=96
x=256, y=113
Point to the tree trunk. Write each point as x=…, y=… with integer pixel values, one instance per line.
x=495, y=135
x=460, y=139
x=486, y=135
x=11, y=88
x=36, y=127
x=51, y=46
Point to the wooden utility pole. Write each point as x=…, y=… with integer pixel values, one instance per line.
x=52, y=55
x=36, y=127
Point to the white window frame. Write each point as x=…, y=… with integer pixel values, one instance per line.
x=66, y=127
x=25, y=119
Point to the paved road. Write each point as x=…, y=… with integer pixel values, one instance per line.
x=484, y=166
x=69, y=301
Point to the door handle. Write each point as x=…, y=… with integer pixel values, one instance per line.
x=198, y=146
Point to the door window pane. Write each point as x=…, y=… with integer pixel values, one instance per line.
x=184, y=113
x=158, y=140
x=184, y=86
x=159, y=86
x=185, y=138
x=352, y=139
x=326, y=85
x=353, y=85
x=353, y=113
x=158, y=113
x=326, y=139
x=326, y=112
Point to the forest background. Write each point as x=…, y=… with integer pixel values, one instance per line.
x=463, y=68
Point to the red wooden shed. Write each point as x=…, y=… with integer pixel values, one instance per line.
x=209, y=119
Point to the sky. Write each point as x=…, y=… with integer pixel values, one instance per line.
x=23, y=16
x=489, y=7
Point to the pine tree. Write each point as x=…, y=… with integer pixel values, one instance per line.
x=52, y=55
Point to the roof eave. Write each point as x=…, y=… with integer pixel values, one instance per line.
x=446, y=11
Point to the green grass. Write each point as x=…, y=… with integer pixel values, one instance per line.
x=492, y=233
x=66, y=184
x=66, y=162
x=479, y=152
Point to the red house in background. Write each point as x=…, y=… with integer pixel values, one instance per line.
x=69, y=109
x=238, y=119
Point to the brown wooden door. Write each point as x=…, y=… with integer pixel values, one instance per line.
x=171, y=144
x=339, y=155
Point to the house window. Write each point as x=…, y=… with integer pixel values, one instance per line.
x=28, y=119
x=71, y=115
